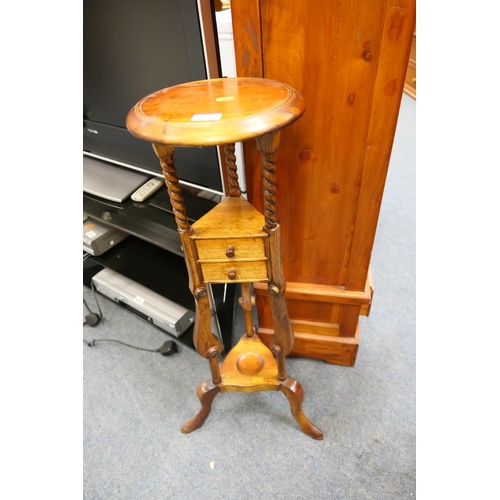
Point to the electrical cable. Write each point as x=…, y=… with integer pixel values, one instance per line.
x=93, y=343
x=92, y=319
x=168, y=348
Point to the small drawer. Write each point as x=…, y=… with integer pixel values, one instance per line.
x=230, y=248
x=236, y=272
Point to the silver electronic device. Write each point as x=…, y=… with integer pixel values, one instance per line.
x=98, y=237
x=162, y=312
x=108, y=181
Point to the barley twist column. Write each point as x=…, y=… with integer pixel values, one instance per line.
x=234, y=187
x=268, y=145
x=166, y=156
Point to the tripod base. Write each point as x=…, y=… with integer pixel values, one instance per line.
x=251, y=367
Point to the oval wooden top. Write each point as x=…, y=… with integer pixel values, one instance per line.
x=212, y=112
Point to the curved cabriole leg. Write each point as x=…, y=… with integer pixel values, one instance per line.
x=295, y=394
x=206, y=393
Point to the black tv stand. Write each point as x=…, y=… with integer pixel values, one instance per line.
x=152, y=220
x=152, y=254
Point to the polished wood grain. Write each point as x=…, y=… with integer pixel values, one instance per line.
x=234, y=242
x=229, y=241
x=237, y=248
x=295, y=395
x=246, y=17
x=206, y=393
x=348, y=60
x=213, y=112
x=165, y=154
x=396, y=35
x=231, y=218
x=247, y=302
x=249, y=367
x=411, y=72
x=332, y=349
x=282, y=340
x=205, y=342
x=240, y=271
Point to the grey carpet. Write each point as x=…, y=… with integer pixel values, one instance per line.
x=250, y=447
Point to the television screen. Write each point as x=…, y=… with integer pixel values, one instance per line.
x=130, y=49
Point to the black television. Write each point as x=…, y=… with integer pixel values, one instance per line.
x=130, y=49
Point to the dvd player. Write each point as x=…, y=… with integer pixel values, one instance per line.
x=158, y=310
x=98, y=237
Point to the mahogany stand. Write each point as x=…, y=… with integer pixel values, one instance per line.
x=233, y=243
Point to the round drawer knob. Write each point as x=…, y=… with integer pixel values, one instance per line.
x=231, y=274
x=230, y=252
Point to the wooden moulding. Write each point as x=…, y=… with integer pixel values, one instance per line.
x=336, y=350
x=337, y=295
x=317, y=332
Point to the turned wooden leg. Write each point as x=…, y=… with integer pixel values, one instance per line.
x=282, y=341
x=295, y=394
x=206, y=393
x=205, y=342
x=246, y=303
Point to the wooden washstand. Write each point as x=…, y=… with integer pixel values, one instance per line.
x=233, y=243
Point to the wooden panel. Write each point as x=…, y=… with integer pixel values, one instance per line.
x=314, y=308
x=231, y=217
x=349, y=61
x=335, y=350
x=242, y=248
x=411, y=72
x=315, y=327
x=397, y=34
x=312, y=312
x=329, y=54
x=244, y=271
x=396, y=43
x=247, y=37
x=322, y=293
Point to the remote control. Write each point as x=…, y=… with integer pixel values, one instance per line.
x=148, y=189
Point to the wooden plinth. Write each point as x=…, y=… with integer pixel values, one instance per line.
x=315, y=314
x=336, y=350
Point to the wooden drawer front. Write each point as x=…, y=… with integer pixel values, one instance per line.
x=244, y=248
x=243, y=271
